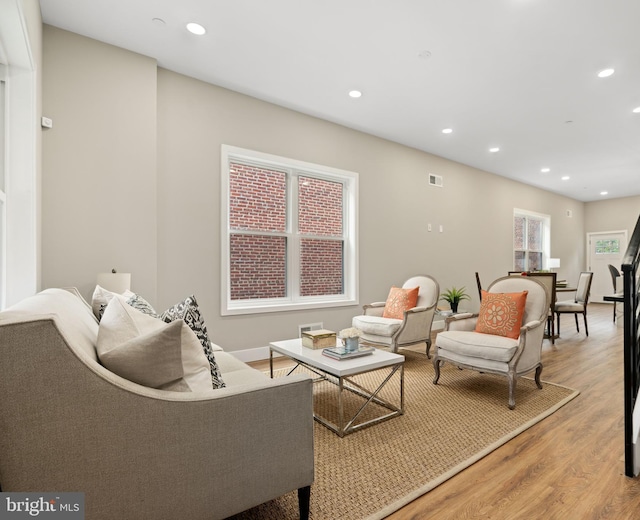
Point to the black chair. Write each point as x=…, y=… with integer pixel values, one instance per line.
x=615, y=274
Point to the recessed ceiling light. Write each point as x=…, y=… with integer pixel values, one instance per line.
x=355, y=93
x=545, y=170
x=447, y=130
x=494, y=149
x=604, y=193
x=605, y=73
x=636, y=110
x=196, y=28
x=566, y=178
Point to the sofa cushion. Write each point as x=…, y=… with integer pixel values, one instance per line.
x=188, y=311
x=149, y=352
x=376, y=325
x=501, y=313
x=400, y=300
x=478, y=345
x=236, y=373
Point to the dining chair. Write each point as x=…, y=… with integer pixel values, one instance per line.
x=615, y=274
x=579, y=304
x=479, y=285
x=549, y=281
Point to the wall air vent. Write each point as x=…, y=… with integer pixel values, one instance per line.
x=435, y=180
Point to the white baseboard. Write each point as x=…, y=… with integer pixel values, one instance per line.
x=262, y=353
x=438, y=325
x=252, y=354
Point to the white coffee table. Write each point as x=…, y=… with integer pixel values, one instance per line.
x=339, y=372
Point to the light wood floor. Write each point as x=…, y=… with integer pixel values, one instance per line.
x=570, y=465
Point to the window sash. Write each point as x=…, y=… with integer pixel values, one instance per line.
x=526, y=257
x=294, y=298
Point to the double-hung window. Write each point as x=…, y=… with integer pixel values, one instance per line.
x=531, y=240
x=289, y=234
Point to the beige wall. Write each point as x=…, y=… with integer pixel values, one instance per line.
x=612, y=215
x=99, y=163
x=90, y=181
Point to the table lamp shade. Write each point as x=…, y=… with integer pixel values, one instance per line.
x=115, y=282
x=554, y=263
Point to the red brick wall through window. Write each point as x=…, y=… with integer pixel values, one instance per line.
x=258, y=263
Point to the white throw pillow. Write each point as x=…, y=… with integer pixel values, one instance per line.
x=149, y=352
x=101, y=298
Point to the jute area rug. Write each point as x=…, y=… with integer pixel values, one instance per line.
x=445, y=428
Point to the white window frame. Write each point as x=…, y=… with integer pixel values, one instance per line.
x=546, y=235
x=294, y=300
x=22, y=207
x=3, y=195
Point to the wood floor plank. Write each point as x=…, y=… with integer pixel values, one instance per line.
x=568, y=466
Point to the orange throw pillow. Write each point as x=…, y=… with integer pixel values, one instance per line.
x=501, y=314
x=400, y=300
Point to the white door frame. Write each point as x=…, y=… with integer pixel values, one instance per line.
x=595, y=234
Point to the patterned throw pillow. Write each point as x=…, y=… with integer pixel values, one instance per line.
x=501, y=314
x=188, y=311
x=149, y=352
x=400, y=300
x=138, y=302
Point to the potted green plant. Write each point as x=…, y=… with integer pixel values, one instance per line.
x=454, y=296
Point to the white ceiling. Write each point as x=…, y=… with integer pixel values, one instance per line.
x=517, y=74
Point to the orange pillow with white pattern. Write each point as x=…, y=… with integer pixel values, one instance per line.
x=501, y=314
x=400, y=300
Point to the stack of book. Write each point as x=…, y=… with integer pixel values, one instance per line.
x=342, y=353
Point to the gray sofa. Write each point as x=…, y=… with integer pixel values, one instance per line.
x=68, y=424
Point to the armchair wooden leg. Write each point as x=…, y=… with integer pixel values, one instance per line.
x=512, y=390
x=428, y=348
x=538, y=372
x=304, y=500
x=577, y=326
x=436, y=369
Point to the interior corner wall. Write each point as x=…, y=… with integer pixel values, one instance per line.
x=131, y=180
x=396, y=203
x=99, y=164
x=612, y=215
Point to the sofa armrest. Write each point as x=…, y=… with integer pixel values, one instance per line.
x=67, y=423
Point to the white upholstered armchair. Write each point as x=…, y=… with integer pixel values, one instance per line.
x=461, y=345
x=415, y=324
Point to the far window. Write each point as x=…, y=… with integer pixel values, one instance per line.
x=608, y=247
x=531, y=237
x=289, y=234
